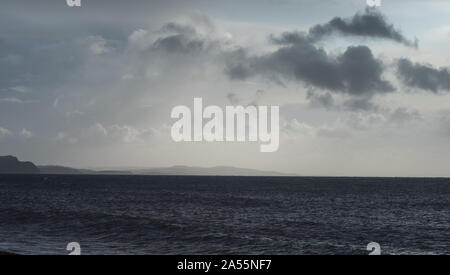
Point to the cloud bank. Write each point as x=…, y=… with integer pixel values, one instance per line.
x=371, y=24
x=355, y=72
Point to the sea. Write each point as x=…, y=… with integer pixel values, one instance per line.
x=179, y=215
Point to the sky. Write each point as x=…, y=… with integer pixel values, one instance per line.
x=362, y=91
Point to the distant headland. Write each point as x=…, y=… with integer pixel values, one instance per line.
x=11, y=165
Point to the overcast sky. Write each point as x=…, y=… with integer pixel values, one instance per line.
x=362, y=92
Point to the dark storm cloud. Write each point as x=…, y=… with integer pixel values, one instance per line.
x=361, y=71
x=422, y=76
x=368, y=24
x=355, y=72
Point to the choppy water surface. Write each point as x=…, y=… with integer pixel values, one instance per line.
x=223, y=215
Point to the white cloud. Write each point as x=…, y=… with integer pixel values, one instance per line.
x=66, y=138
x=26, y=134
x=19, y=89
x=293, y=128
x=140, y=39
x=96, y=130
x=11, y=100
x=97, y=45
x=129, y=134
x=4, y=133
x=74, y=113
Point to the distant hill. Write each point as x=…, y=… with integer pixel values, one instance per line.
x=63, y=170
x=113, y=172
x=11, y=165
x=212, y=171
x=60, y=170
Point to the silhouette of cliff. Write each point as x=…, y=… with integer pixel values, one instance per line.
x=11, y=165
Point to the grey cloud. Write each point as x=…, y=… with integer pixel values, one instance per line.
x=258, y=95
x=178, y=28
x=402, y=115
x=179, y=43
x=362, y=71
x=371, y=23
x=199, y=35
x=236, y=67
x=233, y=98
x=355, y=72
x=360, y=104
x=287, y=38
x=422, y=76
x=353, y=104
x=321, y=100
x=181, y=39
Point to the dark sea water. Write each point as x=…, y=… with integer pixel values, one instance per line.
x=223, y=215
